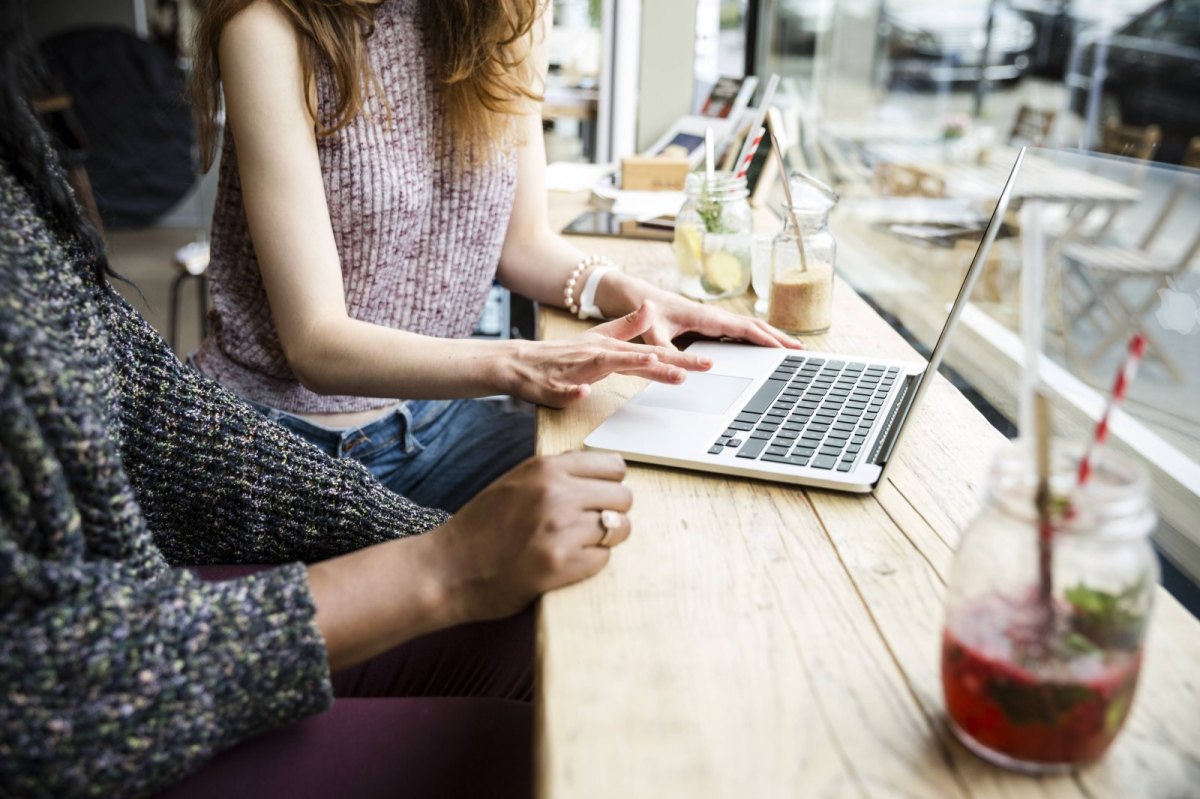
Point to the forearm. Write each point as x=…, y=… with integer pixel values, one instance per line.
x=348, y=356
x=537, y=263
x=538, y=266
x=374, y=599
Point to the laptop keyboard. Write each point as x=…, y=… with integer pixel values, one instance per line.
x=811, y=412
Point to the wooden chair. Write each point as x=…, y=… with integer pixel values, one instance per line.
x=1087, y=222
x=1032, y=126
x=1129, y=140
x=57, y=114
x=1191, y=158
x=1104, y=268
x=899, y=180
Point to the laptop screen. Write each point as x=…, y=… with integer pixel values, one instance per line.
x=960, y=302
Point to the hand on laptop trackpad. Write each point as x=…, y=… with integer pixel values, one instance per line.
x=702, y=392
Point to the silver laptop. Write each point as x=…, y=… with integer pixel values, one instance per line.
x=811, y=418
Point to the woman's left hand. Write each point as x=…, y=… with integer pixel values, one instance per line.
x=676, y=315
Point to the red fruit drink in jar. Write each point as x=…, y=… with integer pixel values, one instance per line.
x=1031, y=696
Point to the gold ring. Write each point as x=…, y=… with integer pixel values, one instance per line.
x=609, y=520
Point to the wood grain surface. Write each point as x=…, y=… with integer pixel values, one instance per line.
x=754, y=640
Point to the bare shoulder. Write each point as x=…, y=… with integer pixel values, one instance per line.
x=262, y=31
x=261, y=71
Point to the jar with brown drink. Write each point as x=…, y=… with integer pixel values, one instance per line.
x=802, y=261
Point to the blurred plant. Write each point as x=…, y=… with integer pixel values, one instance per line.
x=956, y=126
x=732, y=12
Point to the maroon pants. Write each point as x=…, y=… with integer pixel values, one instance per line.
x=444, y=715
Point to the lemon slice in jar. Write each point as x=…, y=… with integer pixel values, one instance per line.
x=688, y=246
x=722, y=272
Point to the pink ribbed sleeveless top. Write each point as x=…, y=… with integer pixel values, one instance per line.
x=419, y=238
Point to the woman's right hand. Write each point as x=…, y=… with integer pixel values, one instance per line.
x=536, y=528
x=559, y=372
x=541, y=526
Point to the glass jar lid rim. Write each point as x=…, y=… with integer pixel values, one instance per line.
x=1118, y=507
x=723, y=181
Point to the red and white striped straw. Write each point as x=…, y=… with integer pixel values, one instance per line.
x=1129, y=367
x=755, y=133
x=749, y=156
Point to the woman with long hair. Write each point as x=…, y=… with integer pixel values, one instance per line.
x=122, y=673
x=382, y=163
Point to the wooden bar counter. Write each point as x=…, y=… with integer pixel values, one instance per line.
x=754, y=640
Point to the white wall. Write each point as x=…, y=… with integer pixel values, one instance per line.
x=667, y=64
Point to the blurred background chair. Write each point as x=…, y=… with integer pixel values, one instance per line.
x=1085, y=221
x=1129, y=140
x=902, y=180
x=1106, y=274
x=58, y=115
x=1031, y=126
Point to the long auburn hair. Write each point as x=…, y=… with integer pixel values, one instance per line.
x=480, y=52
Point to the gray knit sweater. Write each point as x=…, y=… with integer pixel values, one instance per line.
x=418, y=234
x=118, y=673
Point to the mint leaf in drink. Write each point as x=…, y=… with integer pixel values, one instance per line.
x=1027, y=702
x=1108, y=620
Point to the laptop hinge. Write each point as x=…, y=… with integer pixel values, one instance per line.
x=895, y=422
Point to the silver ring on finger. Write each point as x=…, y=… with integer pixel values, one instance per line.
x=609, y=520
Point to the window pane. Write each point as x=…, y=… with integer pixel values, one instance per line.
x=572, y=92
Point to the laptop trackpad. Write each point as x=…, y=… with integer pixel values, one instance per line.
x=701, y=393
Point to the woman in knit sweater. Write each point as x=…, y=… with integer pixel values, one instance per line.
x=383, y=161
x=121, y=674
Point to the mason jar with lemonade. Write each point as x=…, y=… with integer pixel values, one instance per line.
x=714, y=236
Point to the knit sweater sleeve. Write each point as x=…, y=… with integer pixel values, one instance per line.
x=118, y=685
x=120, y=675
x=221, y=484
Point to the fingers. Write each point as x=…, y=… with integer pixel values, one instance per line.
x=645, y=322
x=783, y=338
x=621, y=359
x=658, y=337
x=630, y=325
x=615, y=528
x=593, y=465
x=718, y=323
x=668, y=355
x=587, y=561
x=660, y=374
x=682, y=359
x=749, y=330
x=759, y=332
x=600, y=495
x=603, y=356
x=559, y=395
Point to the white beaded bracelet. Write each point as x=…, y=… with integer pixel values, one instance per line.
x=587, y=308
x=587, y=299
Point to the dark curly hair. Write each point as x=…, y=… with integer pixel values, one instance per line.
x=26, y=147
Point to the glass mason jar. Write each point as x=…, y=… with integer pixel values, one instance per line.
x=1042, y=644
x=802, y=282
x=713, y=234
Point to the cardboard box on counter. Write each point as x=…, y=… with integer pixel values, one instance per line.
x=653, y=173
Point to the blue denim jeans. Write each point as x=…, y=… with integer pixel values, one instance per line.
x=437, y=453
